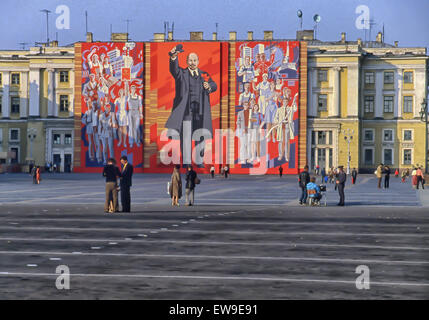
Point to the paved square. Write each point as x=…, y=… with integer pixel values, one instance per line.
x=246, y=238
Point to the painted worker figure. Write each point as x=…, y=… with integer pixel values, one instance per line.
x=243, y=133
x=191, y=105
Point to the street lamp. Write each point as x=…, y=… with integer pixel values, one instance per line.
x=348, y=137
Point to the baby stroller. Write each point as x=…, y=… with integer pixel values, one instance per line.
x=313, y=201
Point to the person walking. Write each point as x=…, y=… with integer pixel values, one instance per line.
x=336, y=171
x=212, y=171
x=191, y=175
x=397, y=173
x=111, y=173
x=280, y=171
x=226, y=171
x=379, y=174
x=126, y=183
x=317, y=170
x=175, y=186
x=341, y=181
x=414, y=178
x=323, y=174
x=354, y=175
x=403, y=176
x=38, y=177
x=303, y=179
x=420, y=177
x=33, y=174
x=386, y=177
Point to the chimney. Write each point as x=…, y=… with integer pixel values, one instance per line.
x=359, y=42
x=305, y=35
x=343, y=37
x=119, y=37
x=214, y=36
x=232, y=35
x=379, y=37
x=89, y=37
x=196, y=35
x=170, y=36
x=249, y=35
x=396, y=44
x=268, y=35
x=158, y=37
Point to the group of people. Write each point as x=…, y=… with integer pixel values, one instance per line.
x=175, y=186
x=35, y=173
x=112, y=174
x=308, y=185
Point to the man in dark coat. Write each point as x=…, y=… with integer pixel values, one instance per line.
x=190, y=186
x=191, y=106
x=354, y=175
x=303, y=179
x=341, y=181
x=126, y=183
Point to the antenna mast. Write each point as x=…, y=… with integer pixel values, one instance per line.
x=47, y=25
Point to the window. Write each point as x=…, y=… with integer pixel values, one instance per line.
x=387, y=135
x=14, y=156
x=15, y=78
x=323, y=102
x=388, y=77
x=64, y=103
x=408, y=104
x=67, y=138
x=57, y=138
x=368, y=135
x=369, y=78
x=408, y=135
x=407, y=156
x=369, y=156
x=388, y=156
x=408, y=77
x=321, y=137
x=388, y=104
x=15, y=105
x=64, y=76
x=322, y=75
x=369, y=104
x=14, y=135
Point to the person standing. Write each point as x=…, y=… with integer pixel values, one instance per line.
x=175, y=186
x=191, y=175
x=303, y=179
x=386, y=177
x=226, y=171
x=323, y=174
x=403, y=176
x=354, y=175
x=379, y=174
x=420, y=177
x=112, y=173
x=38, y=178
x=341, y=181
x=33, y=174
x=317, y=170
x=126, y=183
x=414, y=178
x=280, y=171
x=212, y=171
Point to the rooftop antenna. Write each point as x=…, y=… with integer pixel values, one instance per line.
x=216, y=24
x=382, y=36
x=316, y=18
x=172, y=31
x=299, y=14
x=86, y=22
x=371, y=24
x=47, y=24
x=128, y=22
x=111, y=30
x=23, y=45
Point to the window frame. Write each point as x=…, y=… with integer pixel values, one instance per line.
x=371, y=75
x=12, y=77
x=385, y=77
x=412, y=77
x=383, y=156
x=411, y=156
x=10, y=134
x=322, y=79
x=412, y=135
x=12, y=99
x=412, y=104
x=60, y=104
x=372, y=158
x=53, y=139
x=318, y=102
x=373, y=134
x=365, y=110
x=392, y=105
x=66, y=72
x=393, y=135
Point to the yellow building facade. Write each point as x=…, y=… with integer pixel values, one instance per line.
x=364, y=105
x=36, y=114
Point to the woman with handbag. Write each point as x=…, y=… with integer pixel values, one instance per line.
x=176, y=186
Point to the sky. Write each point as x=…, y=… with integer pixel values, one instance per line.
x=404, y=21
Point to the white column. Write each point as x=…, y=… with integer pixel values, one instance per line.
x=335, y=105
x=5, y=98
x=23, y=109
x=34, y=93
x=379, y=94
x=71, y=104
x=312, y=96
x=398, y=91
x=353, y=91
x=51, y=95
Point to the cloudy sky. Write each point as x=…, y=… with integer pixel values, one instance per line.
x=405, y=21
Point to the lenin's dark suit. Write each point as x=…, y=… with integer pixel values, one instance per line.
x=191, y=101
x=126, y=183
